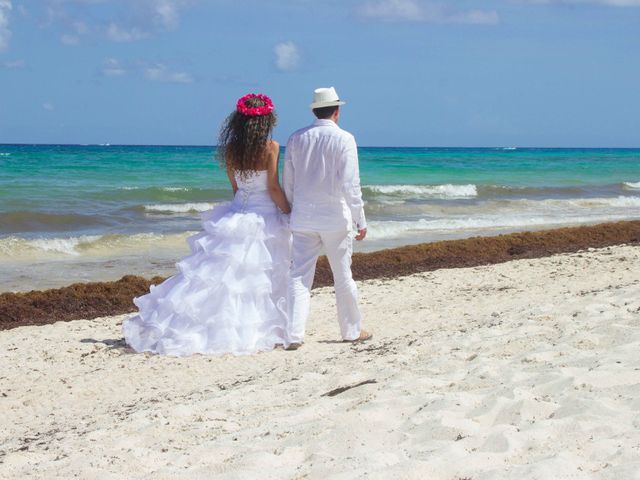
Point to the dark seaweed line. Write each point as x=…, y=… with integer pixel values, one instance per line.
x=91, y=300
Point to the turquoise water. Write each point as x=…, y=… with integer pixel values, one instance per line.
x=500, y=166
x=114, y=205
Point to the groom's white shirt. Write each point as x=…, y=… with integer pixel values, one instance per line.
x=322, y=180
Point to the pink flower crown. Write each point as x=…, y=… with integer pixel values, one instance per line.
x=265, y=109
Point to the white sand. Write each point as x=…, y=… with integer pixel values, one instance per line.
x=525, y=370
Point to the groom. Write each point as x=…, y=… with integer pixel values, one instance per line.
x=322, y=181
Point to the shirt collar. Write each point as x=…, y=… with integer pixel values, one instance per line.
x=324, y=121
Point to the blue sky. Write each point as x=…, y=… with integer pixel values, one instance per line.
x=414, y=72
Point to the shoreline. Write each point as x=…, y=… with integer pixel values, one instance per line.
x=99, y=299
x=108, y=258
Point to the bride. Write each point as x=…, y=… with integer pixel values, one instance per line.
x=229, y=295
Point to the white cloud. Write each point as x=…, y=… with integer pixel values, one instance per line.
x=5, y=32
x=156, y=72
x=113, y=68
x=287, y=56
x=118, y=20
x=48, y=106
x=15, y=64
x=119, y=34
x=79, y=29
x=144, y=18
x=146, y=15
x=160, y=73
x=475, y=17
x=166, y=13
x=392, y=10
x=425, y=12
x=70, y=40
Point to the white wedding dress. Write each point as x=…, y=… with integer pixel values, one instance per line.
x=229, y=295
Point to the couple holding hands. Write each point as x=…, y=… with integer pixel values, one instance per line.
x=246, y=286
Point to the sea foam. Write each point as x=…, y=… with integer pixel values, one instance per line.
x=16, y=248
x=588, y=203
x=164, y=189
x=179, y=207
x=426, y=191
x=624, y=201
x=380, y=230
x=631, y=185
x=510, y=214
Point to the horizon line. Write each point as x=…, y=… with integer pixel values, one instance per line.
x=502, y=147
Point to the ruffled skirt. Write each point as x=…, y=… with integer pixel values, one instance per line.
x=229, y=295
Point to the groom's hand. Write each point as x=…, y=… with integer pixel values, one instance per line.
x=361, y=234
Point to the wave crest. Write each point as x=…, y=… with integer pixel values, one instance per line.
x=16, y=248
x=425, y=191
x=162, y=189
x=169, y=208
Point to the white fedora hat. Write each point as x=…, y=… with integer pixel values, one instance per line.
x=325, y=97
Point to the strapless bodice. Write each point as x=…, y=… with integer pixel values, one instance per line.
x=253, y=182
x=253, y=194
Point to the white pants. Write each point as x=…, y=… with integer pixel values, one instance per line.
x=306, y=248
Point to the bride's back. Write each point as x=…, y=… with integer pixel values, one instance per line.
x=254, y=181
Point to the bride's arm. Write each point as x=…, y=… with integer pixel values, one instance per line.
x=232, y=178
x=277, y=195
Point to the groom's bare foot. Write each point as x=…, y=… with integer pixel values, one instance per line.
x=294, y=346
x=364, y=336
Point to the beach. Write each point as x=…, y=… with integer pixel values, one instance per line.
x=523, y=369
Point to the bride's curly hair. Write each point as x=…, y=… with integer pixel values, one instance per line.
x=243, y=140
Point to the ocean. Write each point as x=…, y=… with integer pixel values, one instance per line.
x=79, y=213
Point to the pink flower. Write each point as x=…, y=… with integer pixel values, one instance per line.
x=265, y=109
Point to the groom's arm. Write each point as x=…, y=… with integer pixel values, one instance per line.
x=351, y=183
x=287, y=172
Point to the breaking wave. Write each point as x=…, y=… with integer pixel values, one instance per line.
x=424, y=191
x=169, y=208
x=162, y=189
x=15, y=248
x=399, y=229
x=516, y=214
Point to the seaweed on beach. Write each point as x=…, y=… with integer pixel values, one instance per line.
x=80, y=300
x=91, y=300
x=475, y=251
